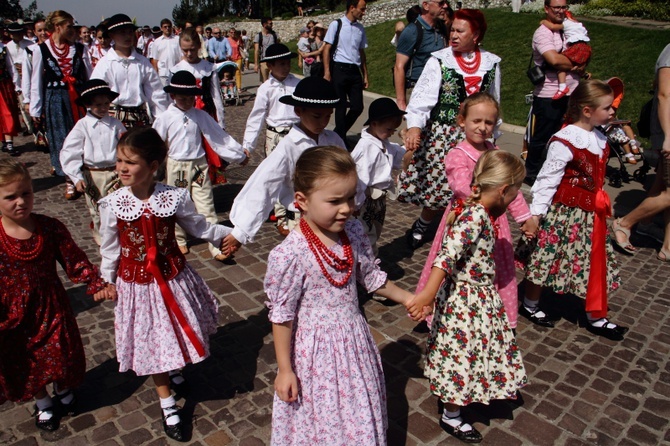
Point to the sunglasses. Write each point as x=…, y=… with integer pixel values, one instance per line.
x=441, y=3
x=559, y=8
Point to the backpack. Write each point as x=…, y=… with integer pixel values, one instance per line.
x=260, y=42
x=644, y=122
x=335, y=41
x=417, y=45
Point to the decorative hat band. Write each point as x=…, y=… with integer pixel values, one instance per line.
x=97, y=87
x=315, y=101
x=277, y=56
x=116, y=25
x=182, y=86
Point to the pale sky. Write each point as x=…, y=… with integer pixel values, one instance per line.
x=91, y=12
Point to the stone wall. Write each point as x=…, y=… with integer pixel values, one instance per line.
x=377, y=12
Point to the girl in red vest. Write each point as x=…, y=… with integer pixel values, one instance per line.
x=571, y=253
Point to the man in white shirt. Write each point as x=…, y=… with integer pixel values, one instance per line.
x=17, y=49
x=130, y=74
x=344, y=62
x=40, y=30
x=144, y=40
x=165, y=52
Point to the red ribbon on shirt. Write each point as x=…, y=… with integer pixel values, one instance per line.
x=168, y=297
x=472, y=84
x=596, y=290
x=77, y=111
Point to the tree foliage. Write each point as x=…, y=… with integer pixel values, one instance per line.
x=12, y=10
x=202, y=11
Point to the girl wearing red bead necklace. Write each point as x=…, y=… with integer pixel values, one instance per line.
x=330, y=382
x=39, y=337
x=59, y=69
x=472, y=355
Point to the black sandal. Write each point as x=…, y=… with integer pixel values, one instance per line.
x=175, y=431
x=469, y=436
x=49, y=425
x=608, y=330
x=68, y=408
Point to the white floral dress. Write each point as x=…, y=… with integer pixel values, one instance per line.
x=472, y=354
x=342, y=395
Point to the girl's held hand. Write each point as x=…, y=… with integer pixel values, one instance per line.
x=286, y=386
x=530, y=226
x=416, y=305
x=413, y=138
x=80, y=186
x=107, y=293
x=246, y=160
x=229, y=245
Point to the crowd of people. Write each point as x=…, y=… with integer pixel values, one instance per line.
x=134, y=120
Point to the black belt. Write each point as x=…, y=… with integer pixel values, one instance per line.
x=283, y=132
x=346, y=66
x=291, y=215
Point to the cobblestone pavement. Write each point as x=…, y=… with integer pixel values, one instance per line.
x=583, y=390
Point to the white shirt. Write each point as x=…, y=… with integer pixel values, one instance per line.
x=27, y=71
x=375, y=159
x=352, y=39
x=143, y=44
x=164, y=202
x=202, y=69
x=426, y=93
x=11, y=70
x=135, y=79
x=272, y=181
x=167, y=53
x=92, y=141
x=558, y=156
x=37, y=78
x=97, y=52
x=18, y=50
x=183, y=132
x=267, y=107
x=574, y=31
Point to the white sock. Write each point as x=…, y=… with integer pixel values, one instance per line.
x=44, y=403
x=561, y=87
x=454, y=419
x=65, y=400
x=597, y=321
x=167, y=405
x=178, y=379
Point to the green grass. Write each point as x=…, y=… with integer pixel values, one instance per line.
x=617, y=51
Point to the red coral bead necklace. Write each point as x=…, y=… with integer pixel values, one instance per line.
x=9, y=246
x=321, y=252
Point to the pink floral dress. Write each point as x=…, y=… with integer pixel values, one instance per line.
x=472, y=354
x=342, y=395
x=459, y=165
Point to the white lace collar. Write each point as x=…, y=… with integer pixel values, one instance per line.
x=580, y=138
x=163, y=202
x=446, y=56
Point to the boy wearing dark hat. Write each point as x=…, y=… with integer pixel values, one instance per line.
x=376, y=157
x=88, y=156
x=132, y=75
x=272, y=182
x=193, y=137
x=278, y=117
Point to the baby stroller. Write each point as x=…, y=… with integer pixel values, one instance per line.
x=617, y=139
x=229, y=91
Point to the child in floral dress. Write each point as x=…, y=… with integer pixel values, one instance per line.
x=330, y=386
x=472, y=354
x=39, y=337
x=165, y=311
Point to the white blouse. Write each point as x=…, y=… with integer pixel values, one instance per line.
x=202, y=69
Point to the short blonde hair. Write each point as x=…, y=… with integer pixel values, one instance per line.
x=11, y=171
x=321, y=162
x=57, y=17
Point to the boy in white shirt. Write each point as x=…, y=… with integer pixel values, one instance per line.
x=88, y=156
x=279, y=117
x=132, y=75
x=192, y=136
x=272, y=182
x=376, y=157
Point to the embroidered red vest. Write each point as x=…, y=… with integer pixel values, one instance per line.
x=132, y=265
x=582, y=176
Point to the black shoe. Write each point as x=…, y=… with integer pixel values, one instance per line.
x=413, y=241
x=14, y=152
x=46, y=425
x=174, y=431
x=469, y=436
x=68, y=408
x=542, y=321
x=609, y=330
x=180, y=389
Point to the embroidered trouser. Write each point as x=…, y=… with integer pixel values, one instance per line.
x=372, y=216
x=99, y=183
x=194, y=176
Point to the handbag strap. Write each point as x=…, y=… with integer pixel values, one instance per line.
x=530, y=62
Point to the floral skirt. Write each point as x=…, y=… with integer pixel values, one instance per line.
x=559, y=257
x=472, y=356
x=425, y=182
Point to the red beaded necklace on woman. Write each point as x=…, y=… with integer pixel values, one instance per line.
x=469, y=67
x=61, y=54
x=321, y=252
x=9, y=246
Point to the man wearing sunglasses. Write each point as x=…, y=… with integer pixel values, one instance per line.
x=416, y=45
x=547, y=114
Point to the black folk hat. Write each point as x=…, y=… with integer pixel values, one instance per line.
x=15, y=27
x=93, y=88
x=278, y=51
x=312, y=92
x=183, y=82
x=118, y=21
x=156, y=30
x=383, y=108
